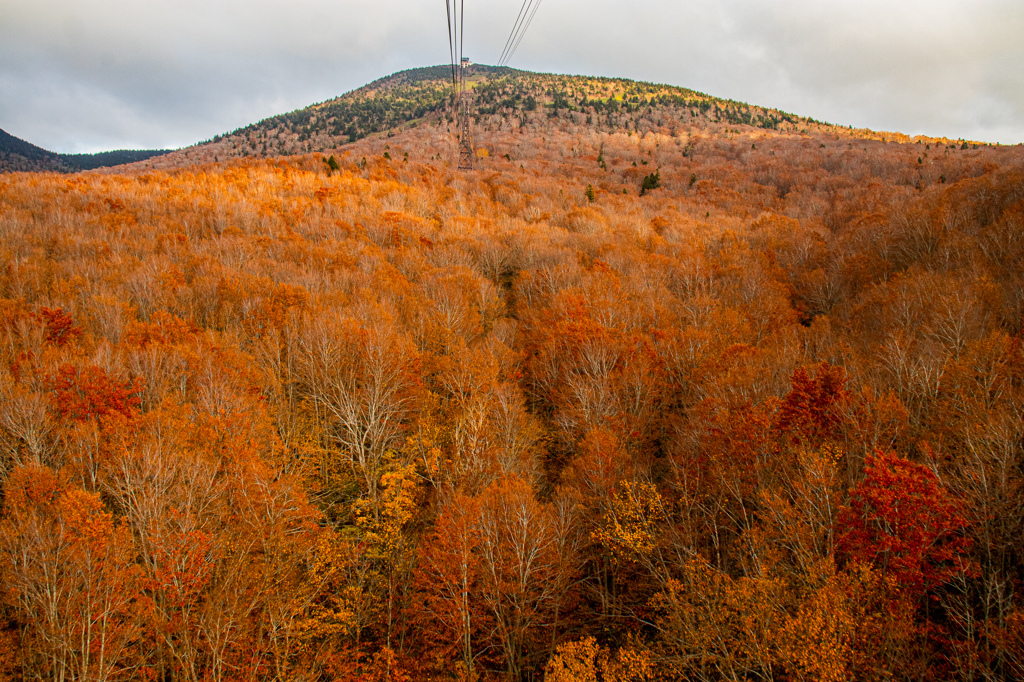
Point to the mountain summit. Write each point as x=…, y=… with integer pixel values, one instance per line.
x=503, y=97
x=418, y=103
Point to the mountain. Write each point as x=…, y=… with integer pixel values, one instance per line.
x=421, y=97
x=18, y=155
x=504, y=98
x=648, y=394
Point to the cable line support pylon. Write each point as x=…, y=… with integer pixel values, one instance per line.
x=466, y=151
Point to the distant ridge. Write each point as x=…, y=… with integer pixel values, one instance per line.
x=506, y=98
x=18, y=155
x=503, y=98
x=422, y=96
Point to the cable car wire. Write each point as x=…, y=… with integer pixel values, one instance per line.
x=515, y=26
x=522, y=24
x=522, y=33
x=451, y=42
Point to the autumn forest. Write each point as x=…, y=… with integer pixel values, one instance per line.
x=666, y=388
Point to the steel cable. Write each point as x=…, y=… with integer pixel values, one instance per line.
x=451, y=41
x=523, y=32
x=511, y=36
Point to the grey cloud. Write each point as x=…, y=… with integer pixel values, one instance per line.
x=930, y=67
x=81, y=76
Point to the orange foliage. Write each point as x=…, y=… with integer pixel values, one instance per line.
x=387, y=422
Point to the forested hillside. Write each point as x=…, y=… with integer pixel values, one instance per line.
x=649, y=395
x=17, y=155
x=502, y=97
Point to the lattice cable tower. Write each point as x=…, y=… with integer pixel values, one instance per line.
x=466, y=151
x=461, y=98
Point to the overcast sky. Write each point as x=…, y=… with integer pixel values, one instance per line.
x=93, y=75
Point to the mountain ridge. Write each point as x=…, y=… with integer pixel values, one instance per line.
x=503, y=97
x=17, y=154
